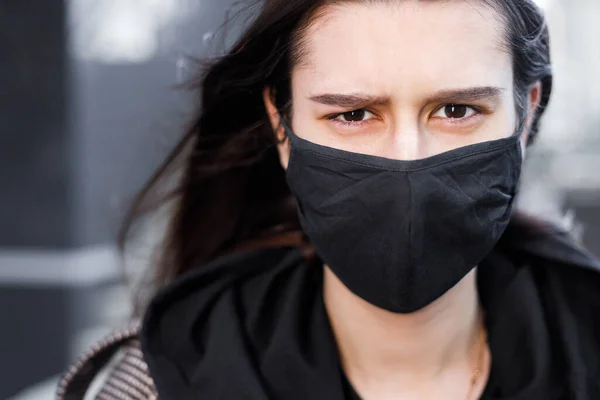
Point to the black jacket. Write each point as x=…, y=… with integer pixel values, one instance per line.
x=253, y=326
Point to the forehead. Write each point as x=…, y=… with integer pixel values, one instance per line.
x=405, y=45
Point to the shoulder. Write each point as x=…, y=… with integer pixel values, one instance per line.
x=567, y=280
x=541, y=292
x=566, y=274
x=551, y=254
x=207, y=323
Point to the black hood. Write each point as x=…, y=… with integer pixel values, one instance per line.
x=253, y=326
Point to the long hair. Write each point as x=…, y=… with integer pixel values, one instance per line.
x=231, y=190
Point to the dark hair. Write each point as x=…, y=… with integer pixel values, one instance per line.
x=529, y=45
x=233, y=193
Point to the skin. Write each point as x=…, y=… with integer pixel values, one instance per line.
x=381, y=79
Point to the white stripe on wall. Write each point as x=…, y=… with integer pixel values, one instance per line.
x=79, y=267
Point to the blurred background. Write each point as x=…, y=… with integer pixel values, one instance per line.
x=89, y=108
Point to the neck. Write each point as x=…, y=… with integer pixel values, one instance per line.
x=377, y=345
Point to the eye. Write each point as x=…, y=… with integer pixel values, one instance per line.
x=353, y=117
x=455, y=112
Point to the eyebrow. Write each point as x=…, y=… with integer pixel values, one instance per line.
x=465, y=95
x=354, y=100
x=360, y=100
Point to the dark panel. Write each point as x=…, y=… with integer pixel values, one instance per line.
x=34, y=336
x=34, y=154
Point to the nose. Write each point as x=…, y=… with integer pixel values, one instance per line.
x=405, y=141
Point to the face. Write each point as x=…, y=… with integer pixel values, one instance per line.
x=403, y=80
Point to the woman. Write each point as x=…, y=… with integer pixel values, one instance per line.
x=344, y=227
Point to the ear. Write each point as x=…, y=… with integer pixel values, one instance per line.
x=534, y=97
x=283, y=145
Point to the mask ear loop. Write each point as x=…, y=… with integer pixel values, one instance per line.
x=288, y=131
x=521, y=127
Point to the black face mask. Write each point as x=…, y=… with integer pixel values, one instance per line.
x=397, y=233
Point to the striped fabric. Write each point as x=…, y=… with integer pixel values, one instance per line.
x=128, y=378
